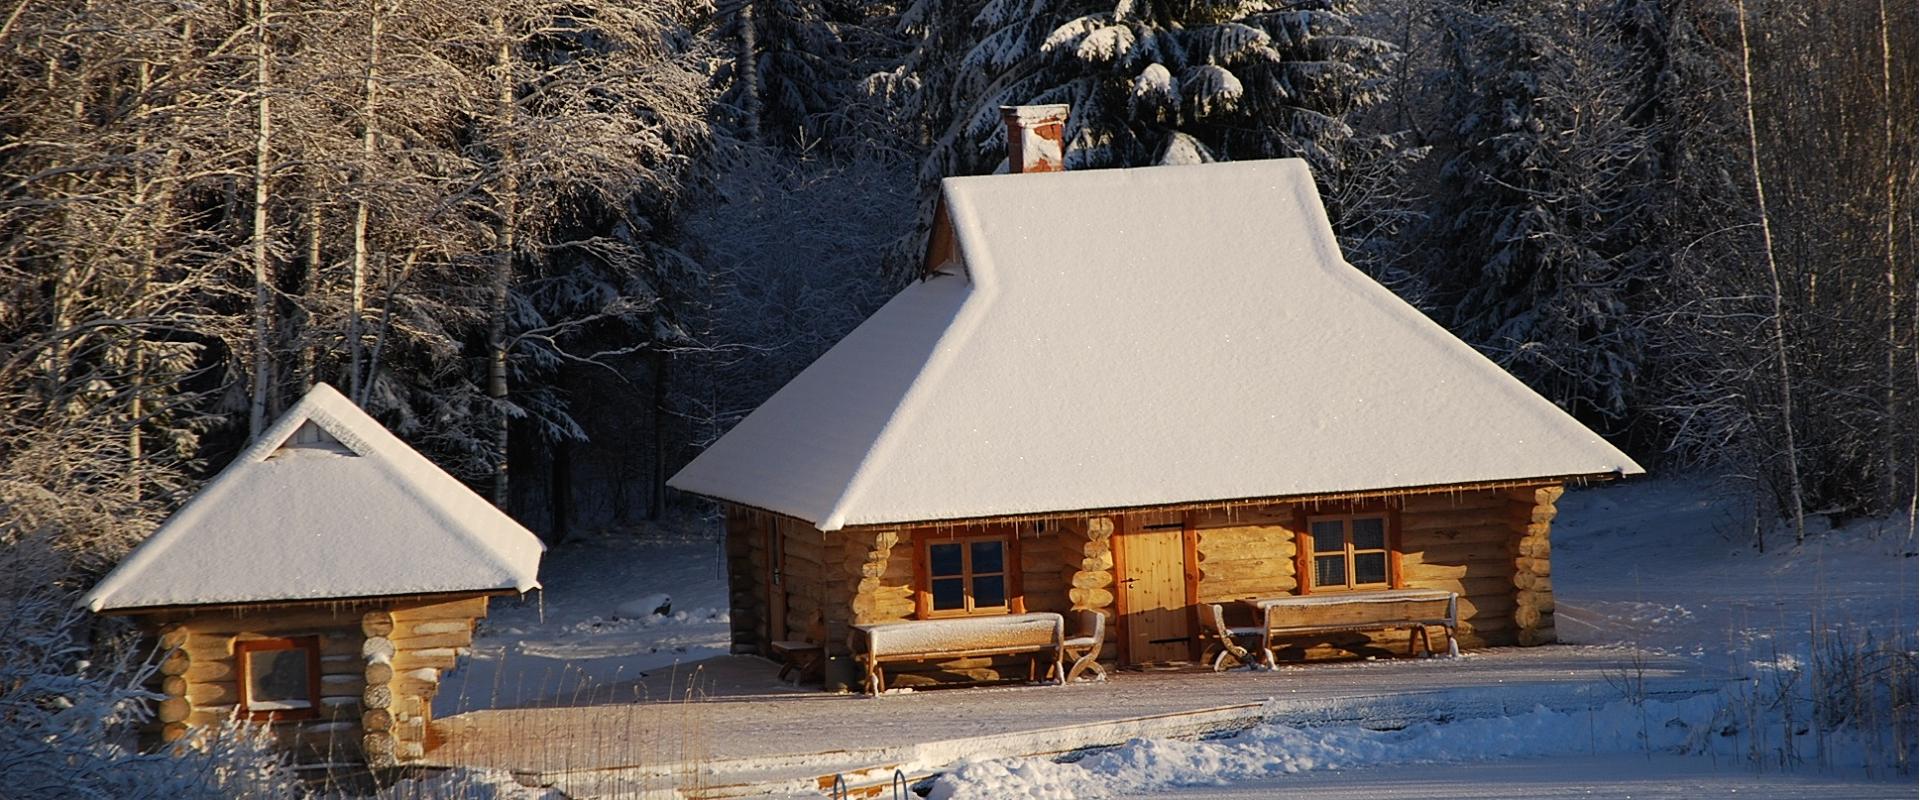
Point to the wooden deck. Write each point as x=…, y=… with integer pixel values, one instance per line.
x=724, y=727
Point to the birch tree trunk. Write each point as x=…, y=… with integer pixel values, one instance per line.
x=357, y=304
x=506, y=218
x=1783, y=378
x=262, y=271
x=1891, y=410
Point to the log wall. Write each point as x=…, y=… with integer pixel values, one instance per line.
x=380, y=666
x=1489, y=546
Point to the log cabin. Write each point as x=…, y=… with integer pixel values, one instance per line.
x=1140, y=392
x=320, y=584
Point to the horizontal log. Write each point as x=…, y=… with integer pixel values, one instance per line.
x=342, y=684
x=174, y=636
x=1460, y=519
x=1090, y=598
x=379, y=749
x=1499, y=536
x=1539, y=600
x=464, y=608
x=1247, y=569
x=1535, y=547
x=458, y=639
x=1244, y=551
x=376, y=720
x=1498, y=551
x=275, y=622
x=1259, y=516
x=1418, y=571
x=1092, y=580
x=1536, y=566
x=1527, y=616
x=1258, y=586
x=174, y=731
x=176, y=663
x=1498, y=605
x=1468, y=587
x=378, y=672
x=340, y=644
x=378, y=696
x=1540, y=495
x=1451, y=501
x=214, y=693
x=1523, y=515
x=174, y=709
x=209, y=647
x=1532, y=637
x=437, y=658
x=1530, y=581
x=378, y=622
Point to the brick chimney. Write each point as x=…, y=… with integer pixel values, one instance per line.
x=1036, y=138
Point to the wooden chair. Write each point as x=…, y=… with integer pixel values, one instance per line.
x=1089, y=634
x=1222, y=640
x=804, y=659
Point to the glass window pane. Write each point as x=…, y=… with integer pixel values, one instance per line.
x=944, y=559
x=989, y=592
x=1369, y=568
x=1330, y=570
x=277, y=679
x=987, y=557
x=1369, y=534
x=949, y=594
x=1329, y=536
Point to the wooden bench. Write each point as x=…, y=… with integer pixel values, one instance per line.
x=1031, y=634
x=1413, y=609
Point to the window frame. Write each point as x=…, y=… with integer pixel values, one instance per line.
x=923, y=577
x=1308, y=551
x=244, y=679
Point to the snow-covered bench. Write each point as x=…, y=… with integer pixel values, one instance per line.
x=1032, y=634
x=1340, y=612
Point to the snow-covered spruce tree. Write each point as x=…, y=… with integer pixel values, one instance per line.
x=786, y=67
x=1539, y=233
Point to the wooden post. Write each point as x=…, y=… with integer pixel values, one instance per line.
x=1091, y=586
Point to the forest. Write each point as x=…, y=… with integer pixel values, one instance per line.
x=560, y=245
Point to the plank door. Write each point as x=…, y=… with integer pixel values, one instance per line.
x=776, y=582
x=1153, y=588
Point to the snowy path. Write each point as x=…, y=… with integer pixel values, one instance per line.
x=784, y=736
x=1634, y=776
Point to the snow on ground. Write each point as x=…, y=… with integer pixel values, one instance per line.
x=594, y=624
x=1659, y=566
x=1641, y=777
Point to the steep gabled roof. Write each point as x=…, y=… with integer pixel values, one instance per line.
x=1137, y=337
x=327, y=504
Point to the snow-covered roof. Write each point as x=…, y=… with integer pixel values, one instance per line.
x=1137, y=337
x=327, y=504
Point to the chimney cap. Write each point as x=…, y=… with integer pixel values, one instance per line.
x=1033, y=115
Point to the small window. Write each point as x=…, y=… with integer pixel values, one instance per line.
x=1349, y=552
x=279, y=678
x=966, y=576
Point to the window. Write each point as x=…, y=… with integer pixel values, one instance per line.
x=279, y=678
x=966, y=575
x=1349, y=552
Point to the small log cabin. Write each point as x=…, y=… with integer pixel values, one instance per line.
x=320, y=584
x=1140, y=391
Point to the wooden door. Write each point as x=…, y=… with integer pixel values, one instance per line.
x=776, y=582
x=1153, y=596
